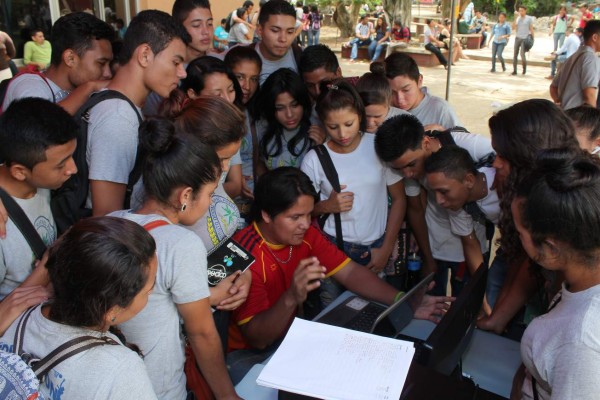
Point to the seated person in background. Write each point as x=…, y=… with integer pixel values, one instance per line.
x=37, y=51
x=37, y=141
x=240, y=33
x=221, y=36
x=7, y=52
x=479, y=25
x=102, y=271
x=292, y=257
x=568, y=48
x=362, y=36
x=444, y=36
x=381, y=40
x=403, y=143
x=80, y=66
x=560, y=348
x=376, y=94
x=399, y=36
x=586, y=120
x=433, y=43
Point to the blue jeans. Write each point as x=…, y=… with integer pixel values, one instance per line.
x=437, y=52
x=559, y=58
x=304, y=38
x=496, y=277
x=497, y=49
x=519, y=47
x=330, y=289
x=559, y=39
x=313, y=36
x=375, y=50
x=355, y=44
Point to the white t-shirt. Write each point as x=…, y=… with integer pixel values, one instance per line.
x=561, y=349
x=365, y=176
x=445, y=229
x=268, y=66
x=181, y=278
x=238, y=33
x=16, y=257
x=112, y=141
x=104, y=372
x=32, y=85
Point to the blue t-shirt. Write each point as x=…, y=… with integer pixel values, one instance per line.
x=500, y=30
x=221, y=34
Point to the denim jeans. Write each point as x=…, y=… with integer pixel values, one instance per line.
x=313, y=36
x=496, y=277
x=330, y=289
x=304, y=38
x=559, y=39
x=559, y=58
x=497, y=49
x=437, y=52
x=375, y=50
x=355, y=45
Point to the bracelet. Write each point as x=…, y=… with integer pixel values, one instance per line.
x=399, y=295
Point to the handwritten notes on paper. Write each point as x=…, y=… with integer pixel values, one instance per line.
x=328, y=362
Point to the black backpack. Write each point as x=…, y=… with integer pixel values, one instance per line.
x=228, y=23
x=68, y=203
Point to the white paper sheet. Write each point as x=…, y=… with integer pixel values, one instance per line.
x=328, y=362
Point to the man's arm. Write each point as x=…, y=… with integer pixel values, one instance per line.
x=590, y=96
x=554, y=93
x=10, y=46
x=107, y=197
x=77, y=98
x=531, y=28
x=206, y=344
x=233, y=183
x=269, y=325
x=472, y=252
x=363, y=282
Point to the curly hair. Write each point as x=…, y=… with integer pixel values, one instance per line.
x=519, y=134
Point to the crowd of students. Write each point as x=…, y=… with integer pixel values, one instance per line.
x=188, y=148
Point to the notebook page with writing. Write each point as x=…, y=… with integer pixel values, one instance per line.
x=330, y=362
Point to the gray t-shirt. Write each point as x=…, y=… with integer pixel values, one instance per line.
x=285, y=158
x=16, y=257
x=560, y=349
x=435, y=110
x=268, y=66
x=112, y=141
x=181, y=278
x=32, y=85
x=524, y=26
x=584, y=67
x=238, y=34
x=104, y=372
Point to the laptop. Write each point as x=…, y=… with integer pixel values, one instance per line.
x=363, y=315
x=444, y=347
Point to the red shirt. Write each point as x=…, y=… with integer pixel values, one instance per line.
x=271, y=278
x=399, y=34
x=582, y=22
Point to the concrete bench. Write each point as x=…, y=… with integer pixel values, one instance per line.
x=472, y=40
x=423, y=57
x=363, y=53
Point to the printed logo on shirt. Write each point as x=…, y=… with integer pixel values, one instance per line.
x=223, y=217
x=45, y=229
x=55, y=385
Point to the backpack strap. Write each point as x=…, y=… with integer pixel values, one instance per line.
x=18, y=216
x=84, y=115
x=58, y=355
x=332, y=177
x=255, y=150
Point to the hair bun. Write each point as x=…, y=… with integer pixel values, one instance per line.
x=565, y=169
x=156, y=136
x=378, y=67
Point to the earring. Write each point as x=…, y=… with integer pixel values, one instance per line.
x=113, y=319
x=183, y=207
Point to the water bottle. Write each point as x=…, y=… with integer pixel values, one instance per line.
x=413, y=275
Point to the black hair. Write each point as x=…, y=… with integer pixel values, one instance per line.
x=152, y=27
x=314, y=8
x=453, y=161
x=299, y=4
x=591, y=28
x=374, y=88
x=34, y=31
x=240, y=12
x=586, y=120
x=279, y=189
x=305, y=9
x=519, y=133
x=318, y=56
x=397, y=135
x=275, y=7
x=223, y=21
x=203, y=66
x=502, y=13
x=99, y=263
x=76, y=31
x=247, y=4
x=561, y=201
x=283, y=80
x=29, y=126
x=398, y=64
x=212, y=119
x=340, y=95
x=244, y=53
x=175, y=160
x=183, y=8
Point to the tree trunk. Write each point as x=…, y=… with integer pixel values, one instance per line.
x=401, y=9
x=344, y=20
x=446, y=6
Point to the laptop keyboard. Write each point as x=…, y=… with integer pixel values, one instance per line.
x=364, y=320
